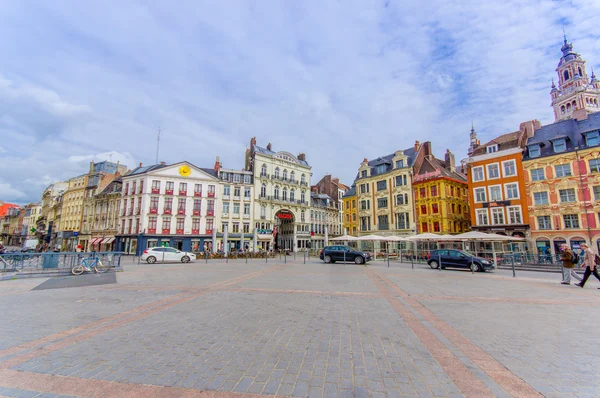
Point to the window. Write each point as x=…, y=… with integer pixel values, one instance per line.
x=383, y=222
x=247, y=208
x=592, y=138
x=277, y=172
x=365, y=205
x=382, y=168
x=493, y=171
x=209, y=224
x=226, y=190
x=424, y=227
x=152, y=223
x=292, y=195
x=382, y=203
x=210, y=205
x=399, y=164
x=284, y=194
x=364, y=188
x=198, y=189
x=512, y=191
x=181, y=204
x=514, y=215
x=495, y=193
x=195, y=224
x=263, y=191
x=155, y=186
x=434, y=191
x=423, y=209
x=363, y=173
x=422, y=192
x=596, y=192
x=482, y=217
x=509, y=168
x=562, y=170
x=498, y=215
x=400, y=180
x=402, y=221
x=381, y=185
x=559, y=145
x=236, y=227
x=434, y=208
x=491, y=148
x=170, y=186
x=225, y=207
x=263, y=170
x=571, y=221
x=236, y=192
x=478, y=173
x=436, y=226
x=168, y=203
x=402, y=199
x=180, y=223
x=537, y=175
x=292, y=176
x=302, y=179
x=594, y=165
x=544, y=222
x=166, y=224
x=479, y=195
x=247, y=192
x=246, y=227
x=236, y=208
x=247, y=179
x=263, y=211
x=365, y=223
x=197, y=204
x=540, y=198
x=153, y=203
x=567, y=195
x=236, y=178
x=302, y=196
x=534, y=150
x=302, y=216
x=276, y=193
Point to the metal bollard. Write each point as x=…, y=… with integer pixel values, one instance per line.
x=472, y=272
x=163, y=259
x=304, y=257
x=513, y=266
x=226, y=259
x=388, y=256
x=412, y=261
x=344, y=257
x=294, y=256
x=246, y=257
x=206, y=255
x=440, y=260
x=279, y=255
x=285, y=258
x=266, y=257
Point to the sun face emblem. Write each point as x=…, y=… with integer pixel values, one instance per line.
x=185, y=171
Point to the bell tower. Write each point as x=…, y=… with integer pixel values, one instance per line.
x=575, y=90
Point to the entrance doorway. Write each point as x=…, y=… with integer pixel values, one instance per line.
x=285, y=230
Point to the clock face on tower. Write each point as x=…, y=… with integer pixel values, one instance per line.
x=185, y=171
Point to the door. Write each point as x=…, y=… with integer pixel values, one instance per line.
x=455, y=259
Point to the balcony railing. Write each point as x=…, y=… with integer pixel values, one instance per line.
x=182, y=193
x=196, y=212
x=211, y=194
x=168, y=192
x=151, y=230
x=246, y=216
x=195, y=232
x=198, y=193
x=155, y=190
x=138, y=211
x=154, y=210
x=210, y=213
x=181, y=211
x=167, y=210
x=131, y=212
x=226, y=196
x=208, y=232
x=123, y=212
x=179, y=231
x=166, y=231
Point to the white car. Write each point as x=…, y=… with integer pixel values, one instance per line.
x=160, y=254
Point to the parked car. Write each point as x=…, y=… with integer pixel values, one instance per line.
x=169, y=254
x=458, y=259
x=331, y=254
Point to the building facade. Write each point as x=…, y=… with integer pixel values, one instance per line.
x=350, y=212
x=104, y=216
x=575, y=90
x=48, y=224
x=497, y=194
x=328, y=208
x=383, y=194
x=562, y=179
x=173, y=205
x=282, y=197
x=237, y=214
x=440, y=193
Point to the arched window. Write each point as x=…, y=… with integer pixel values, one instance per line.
x=302, y=215
x=263, y=213
x=302, y=196
x=568, y=107
x=263, y=170
x=566, y=75
x=284, y=196
x=285, y=174
x=263, y=190
x=277, y=172
x=574, y=103
x=562, y=109
x=580, y=74
x=303, y=179
x=292, y=175
x=292, y=195
x=276, y=193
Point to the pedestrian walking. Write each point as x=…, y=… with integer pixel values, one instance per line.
x=568, y=259
x=589, y=262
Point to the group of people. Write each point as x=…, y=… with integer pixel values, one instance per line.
x=588, y=260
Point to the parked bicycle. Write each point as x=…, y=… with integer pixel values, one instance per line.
x=87, y=264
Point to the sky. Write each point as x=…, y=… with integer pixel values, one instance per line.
x=85, y=81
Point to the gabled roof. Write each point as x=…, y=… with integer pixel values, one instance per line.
x=387, y=160
x=504, y=141
x=265, y=151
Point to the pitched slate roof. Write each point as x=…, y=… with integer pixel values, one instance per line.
x=145, y=169
x=571, y=129
x=351, y=192
x=505, y=141
x=268, y=152
x=387, y=160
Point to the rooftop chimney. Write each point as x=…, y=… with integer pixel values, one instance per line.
x=161, y=163
x=302, y=156
x=252, y=142
x=580, y=114
x=140, y=164
x=449, y=158
x=417, y=145
x=217, y=164
x=269, y=146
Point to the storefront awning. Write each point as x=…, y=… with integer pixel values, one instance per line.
x=109, y=241
x=263, y=237
x=95, y=241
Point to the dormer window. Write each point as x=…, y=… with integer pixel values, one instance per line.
x=534, y=151
x=363, y=173
x=381, y=169
x=491, y=148
x=399, y=164
x=559, y=145
x=592, y=138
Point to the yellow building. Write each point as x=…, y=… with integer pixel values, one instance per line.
x=440, y=193
x=72, y=212
x=350, y=215
x=383, y=194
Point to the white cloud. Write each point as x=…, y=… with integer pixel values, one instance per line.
x=10, y=194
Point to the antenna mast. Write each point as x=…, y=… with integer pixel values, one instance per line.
x=157, y=143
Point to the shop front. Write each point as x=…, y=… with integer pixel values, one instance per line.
x=136, y=245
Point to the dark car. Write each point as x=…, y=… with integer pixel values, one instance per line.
x=331, y=254
x=458, y=259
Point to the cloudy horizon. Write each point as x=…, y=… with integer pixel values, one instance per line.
x=339, y=81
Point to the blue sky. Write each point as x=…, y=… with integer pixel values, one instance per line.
x=337, y=80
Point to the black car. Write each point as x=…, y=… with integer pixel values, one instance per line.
x=331, y=254
x=458, y=259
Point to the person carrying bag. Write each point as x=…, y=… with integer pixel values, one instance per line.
x=590, y=262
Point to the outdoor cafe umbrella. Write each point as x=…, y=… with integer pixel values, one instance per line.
x=373, y=238
x=345, y=238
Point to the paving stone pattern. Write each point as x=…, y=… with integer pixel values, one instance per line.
x=258, y=328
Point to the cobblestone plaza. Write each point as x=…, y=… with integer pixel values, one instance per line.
x=294, y=329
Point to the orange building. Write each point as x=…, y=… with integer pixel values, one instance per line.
x=497, y=194
x=4, y=208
